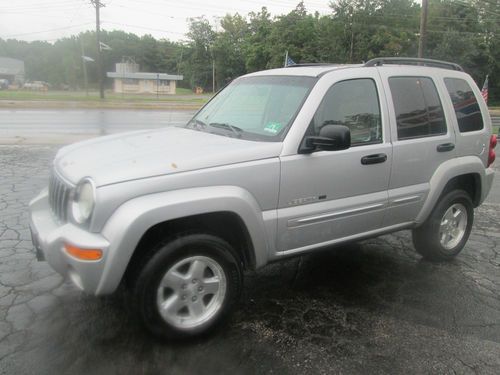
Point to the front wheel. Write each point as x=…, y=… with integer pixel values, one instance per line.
x=446, y=231
x=188, y=286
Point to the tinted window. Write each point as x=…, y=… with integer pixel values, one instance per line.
x=466, y=107
x=352, y=103
x=419, y=112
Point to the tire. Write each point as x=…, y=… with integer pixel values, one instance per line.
x=444, y=234
x=187, y=287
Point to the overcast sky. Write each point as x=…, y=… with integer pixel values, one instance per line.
x=52, y=19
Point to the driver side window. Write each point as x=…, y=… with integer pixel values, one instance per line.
x=353, y=103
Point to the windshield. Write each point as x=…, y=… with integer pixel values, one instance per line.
x=254, y=108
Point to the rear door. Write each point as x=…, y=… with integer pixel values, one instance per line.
x=423, y=138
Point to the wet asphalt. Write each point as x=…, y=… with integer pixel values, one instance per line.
x=369, y=307
x=67, y=125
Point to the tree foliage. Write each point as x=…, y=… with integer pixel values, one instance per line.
x=466, y=32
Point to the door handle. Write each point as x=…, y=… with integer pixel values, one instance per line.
x=445, y=147
x=373, y=159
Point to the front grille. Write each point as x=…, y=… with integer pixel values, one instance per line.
x=59, y=193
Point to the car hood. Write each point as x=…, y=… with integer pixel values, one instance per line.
x=135, y=155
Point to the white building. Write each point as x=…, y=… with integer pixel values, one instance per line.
x=12, y=70
x=128, y=80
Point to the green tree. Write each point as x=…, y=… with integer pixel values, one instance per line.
x=229, y=49
x=258, y=46
x=198, y=62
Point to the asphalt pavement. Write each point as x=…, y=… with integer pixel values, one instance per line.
x=370, y=307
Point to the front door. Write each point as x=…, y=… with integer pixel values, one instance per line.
x=331, y=195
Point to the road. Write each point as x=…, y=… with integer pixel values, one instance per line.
x=61, y=126
x=370, y=307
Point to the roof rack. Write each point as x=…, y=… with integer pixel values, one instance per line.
x=413, y=61
x=308, y=64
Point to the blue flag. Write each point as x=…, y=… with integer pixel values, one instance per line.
x=289, y=61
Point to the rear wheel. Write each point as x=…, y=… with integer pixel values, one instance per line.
x=447, y=229
x=188, y=286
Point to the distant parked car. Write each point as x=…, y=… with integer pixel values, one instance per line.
x=36, y=86
x=4, y=84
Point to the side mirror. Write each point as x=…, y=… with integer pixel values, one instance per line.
x=330, y=138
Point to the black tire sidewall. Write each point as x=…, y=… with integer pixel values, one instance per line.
x=165, y=256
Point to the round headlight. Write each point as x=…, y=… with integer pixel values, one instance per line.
x=83, y=201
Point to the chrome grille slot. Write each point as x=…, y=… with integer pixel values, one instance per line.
x=59, y=197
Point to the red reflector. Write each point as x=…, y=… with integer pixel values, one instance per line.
x=493, y=141
x=491, y=153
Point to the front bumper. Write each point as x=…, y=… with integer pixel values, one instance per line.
x=49, y=238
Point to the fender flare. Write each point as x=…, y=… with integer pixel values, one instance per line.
x=132, y=219
x=444, y=173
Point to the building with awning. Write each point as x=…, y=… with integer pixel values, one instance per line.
x=12, y=70
x=128, y=80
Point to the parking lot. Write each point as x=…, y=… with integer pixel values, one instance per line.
x=369, y=307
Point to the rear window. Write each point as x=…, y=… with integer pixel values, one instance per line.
x=419, y=112
x=467, y=109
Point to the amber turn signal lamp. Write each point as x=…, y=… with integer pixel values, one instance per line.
x=83, y=254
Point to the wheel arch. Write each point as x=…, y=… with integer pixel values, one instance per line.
x=465, y=173
x=139, y=220
x=469, y=182
x=226, y=225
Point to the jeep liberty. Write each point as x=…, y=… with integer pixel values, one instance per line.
x=279, y=163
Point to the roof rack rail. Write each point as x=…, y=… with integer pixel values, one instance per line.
x=308, y=64
x=413, y=61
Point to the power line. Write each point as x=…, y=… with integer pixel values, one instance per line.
x=463, y=3
x=194, y=6
x=76, y=12
x=142, y=27
x=26, y=7
x=48, y=31
x=149, y=12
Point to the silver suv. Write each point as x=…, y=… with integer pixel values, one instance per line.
x=279, y=163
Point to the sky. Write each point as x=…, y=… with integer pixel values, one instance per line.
x=50, y=20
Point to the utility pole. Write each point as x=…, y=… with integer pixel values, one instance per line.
x=97, y=4
x=157, y=84
x=213, y=75
x=423, y=28
x=84, y=66
x=351, y=49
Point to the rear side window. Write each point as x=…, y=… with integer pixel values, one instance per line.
x=419, y=112
x=467, y=109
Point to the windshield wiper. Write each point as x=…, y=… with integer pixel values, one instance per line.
x=226, y=126
x=197, y=124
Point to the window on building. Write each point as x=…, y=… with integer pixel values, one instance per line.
x=353, y=103
x=130, y=81
x=467, y=109
x=419, y=112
